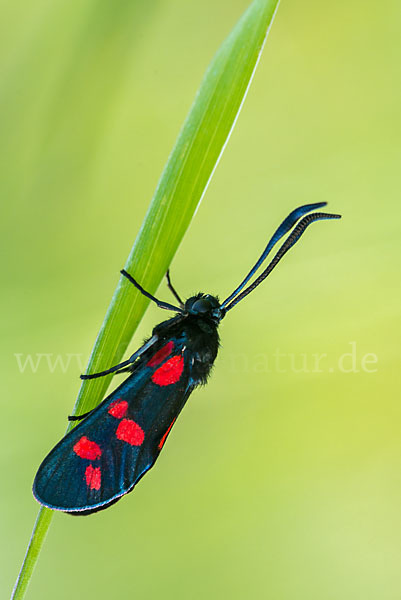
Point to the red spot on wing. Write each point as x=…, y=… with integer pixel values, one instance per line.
x=170, y=372
x=161, y=443
x=130, y=432
x=161, y=354
x=118, y=408
x=87, y=449
x=93, y=477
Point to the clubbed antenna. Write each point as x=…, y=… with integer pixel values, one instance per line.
x=296, y=233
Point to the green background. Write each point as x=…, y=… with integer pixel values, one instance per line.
x=281, y=480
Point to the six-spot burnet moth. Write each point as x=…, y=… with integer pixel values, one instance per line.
x=116, y=443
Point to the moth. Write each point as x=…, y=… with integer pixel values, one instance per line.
x=115, y=444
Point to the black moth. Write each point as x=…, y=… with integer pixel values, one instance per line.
x=115, y=444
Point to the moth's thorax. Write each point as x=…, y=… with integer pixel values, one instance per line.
x=202, y=341
x=197, y=335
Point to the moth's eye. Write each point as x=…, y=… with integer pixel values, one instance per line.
x=201, y=306
x=214, y=303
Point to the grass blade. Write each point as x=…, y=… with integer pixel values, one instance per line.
x=181, y=188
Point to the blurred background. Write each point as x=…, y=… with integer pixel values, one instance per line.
x=282, y=479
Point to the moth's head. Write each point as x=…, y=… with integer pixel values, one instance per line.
x=205, y=306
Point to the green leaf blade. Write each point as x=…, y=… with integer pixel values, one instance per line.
x=182, y=186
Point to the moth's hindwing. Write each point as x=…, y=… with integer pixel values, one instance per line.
x=104, y=456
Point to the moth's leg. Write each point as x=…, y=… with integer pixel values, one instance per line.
x=172, y=289
x=159, y=303
x=79, y=417
x=125, y=363
x=125, y=370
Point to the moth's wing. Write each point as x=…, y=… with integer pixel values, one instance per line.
x=104, y=456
